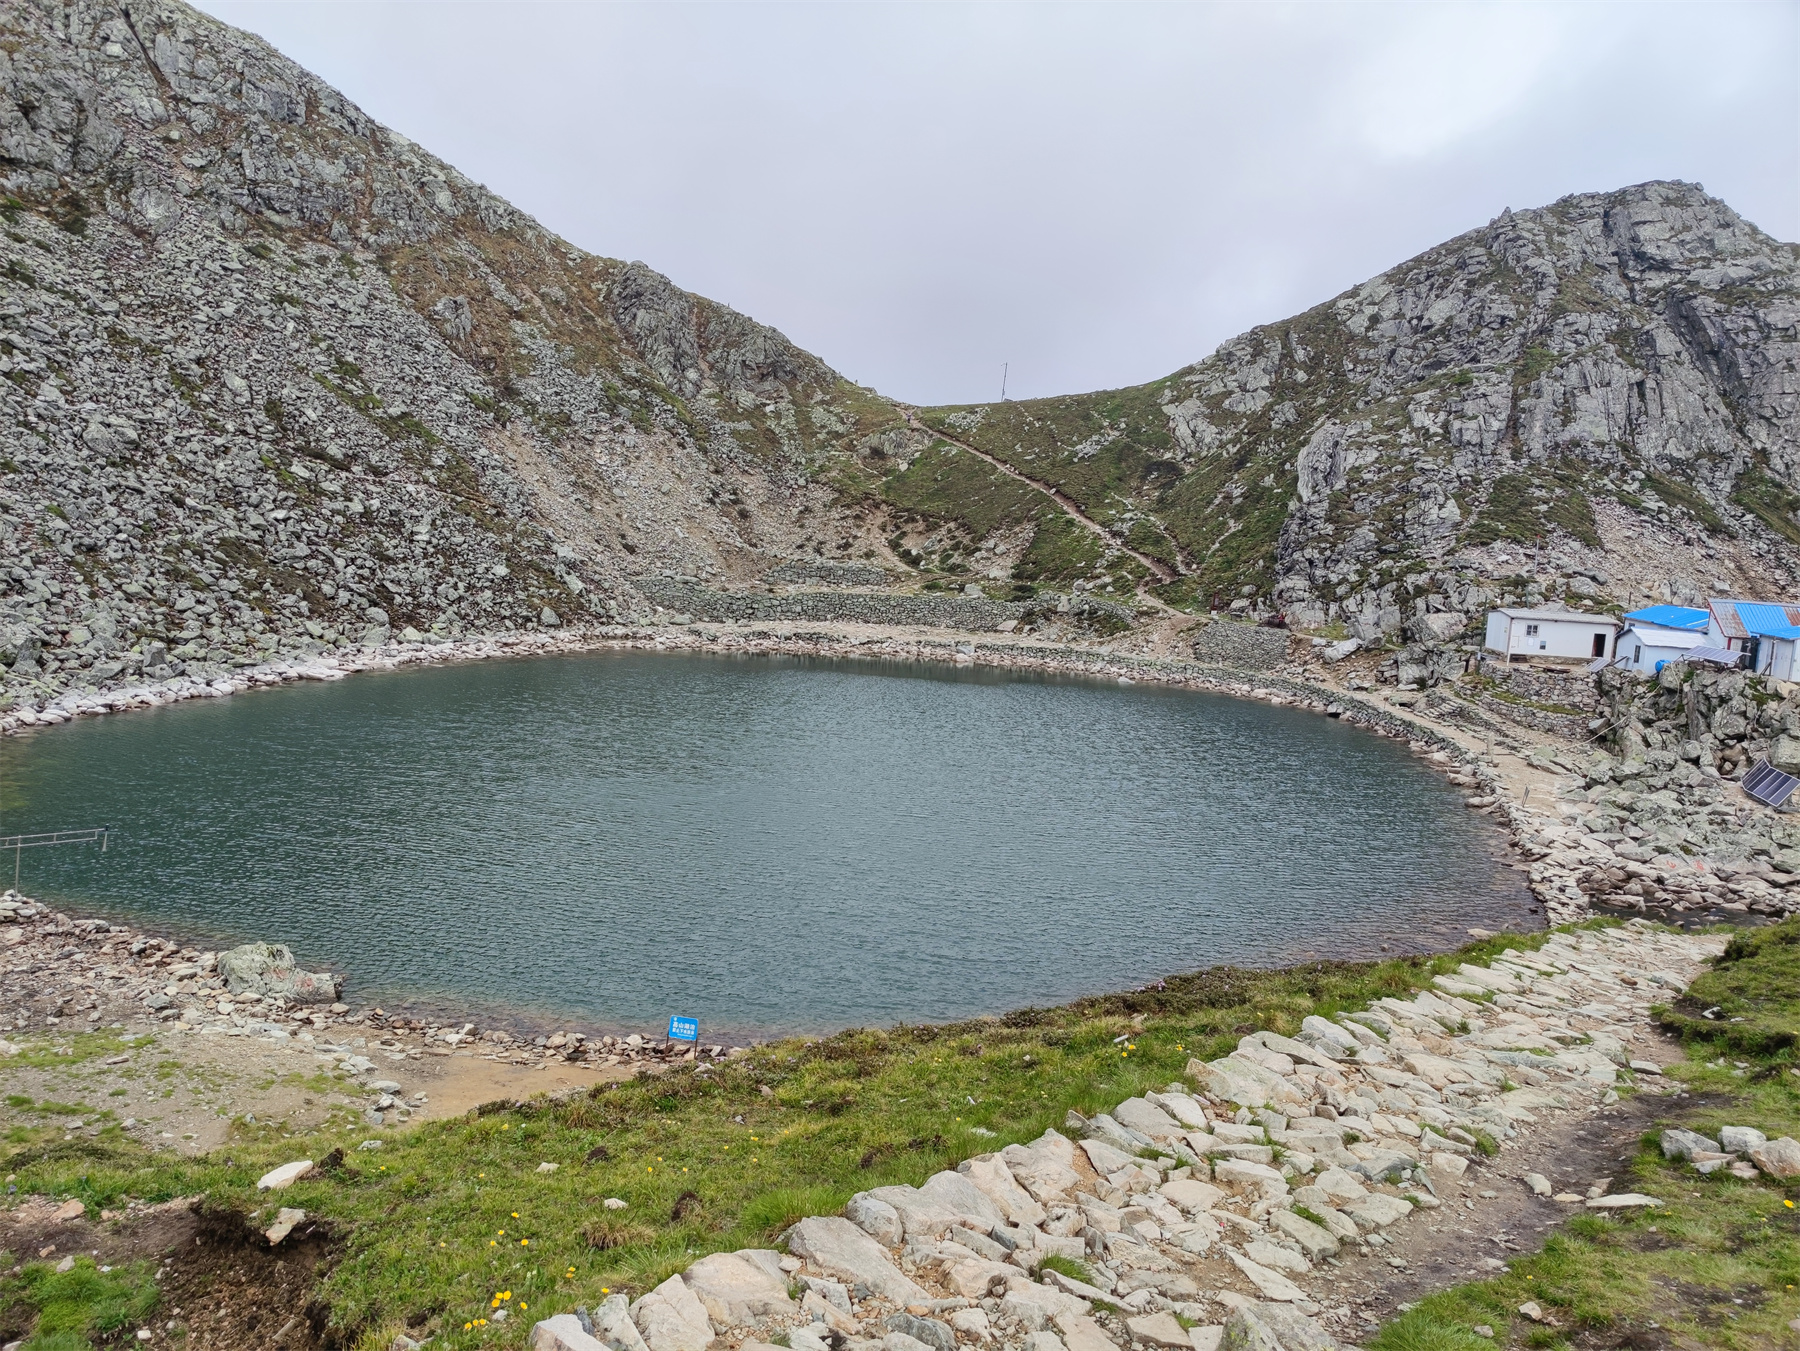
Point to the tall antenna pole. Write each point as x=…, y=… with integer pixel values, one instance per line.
x=1005, y=366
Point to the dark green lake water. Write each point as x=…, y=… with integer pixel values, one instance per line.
x=768, y=844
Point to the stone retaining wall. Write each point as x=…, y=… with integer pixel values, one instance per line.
x=971, y=613
x=838, y=607
x=822, y=573
x=1248, y=647
x=1570, y=726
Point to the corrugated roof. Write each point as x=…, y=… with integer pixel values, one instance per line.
x=1755, y=618
x=1568, y=616
x=1672, y=617
x=1662, y=637
x=1768, y=621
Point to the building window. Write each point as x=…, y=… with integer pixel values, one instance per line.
x=1637, y=654
x=1531, y=630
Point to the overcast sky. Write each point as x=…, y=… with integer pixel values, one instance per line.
x=1095, y=194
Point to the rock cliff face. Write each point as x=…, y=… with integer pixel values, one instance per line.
x=274, y=377
x=1614, y=364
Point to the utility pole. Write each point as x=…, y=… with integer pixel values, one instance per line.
x=1005, y=366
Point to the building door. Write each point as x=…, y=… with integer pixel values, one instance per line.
x=1599, y=644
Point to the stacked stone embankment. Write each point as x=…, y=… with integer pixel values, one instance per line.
x=972, y=613
x=1217, y=1211
x=1656, y=829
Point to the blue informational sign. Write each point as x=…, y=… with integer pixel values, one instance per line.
x=684, y=1029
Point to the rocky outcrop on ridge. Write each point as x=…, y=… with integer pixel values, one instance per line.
x=1222, y=1210
x=1614, y=366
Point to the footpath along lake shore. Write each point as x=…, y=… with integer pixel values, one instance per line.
x=1286, y=1197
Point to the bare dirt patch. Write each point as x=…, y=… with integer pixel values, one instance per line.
x=222, y=1286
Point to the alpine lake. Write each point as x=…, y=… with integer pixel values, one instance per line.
x=766, y=844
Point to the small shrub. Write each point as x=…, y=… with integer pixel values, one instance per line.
x=606, y=1233
x=1067, y=1266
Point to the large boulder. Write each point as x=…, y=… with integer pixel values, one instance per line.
x=1045, y=1167
x=876, y=1218
x=672, y=1318
x=1242, y=1082
x=1785, y=754
x=1437, y=628
x=921, y=1217
x=613, y=1326
x=838, y=1248
x=1148, y=1119
x=958, y=1194
x=1274, y=1327
x=269, y=969
x=995, y=1179
x=736, y=1291
x=1778, y=1158
x=563, y=1332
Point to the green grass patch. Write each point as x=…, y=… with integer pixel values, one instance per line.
x=1068, y=1266
x=1523, y=508
x=1752, y=995
x=1061, y=550
x=70, y=1310
x=64, y=1051
x=949, y=484
x=1770, y=501
x=1678, y=494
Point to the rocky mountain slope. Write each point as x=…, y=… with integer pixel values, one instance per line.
x=276, y=378
x=274, y=375
x=1567, y=401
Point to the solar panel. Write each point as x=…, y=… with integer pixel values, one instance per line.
x=1768, y=785
x=1723, y=655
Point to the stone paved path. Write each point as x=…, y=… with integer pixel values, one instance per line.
x=1246, y=1202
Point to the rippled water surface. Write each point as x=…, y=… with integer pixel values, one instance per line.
x=768, y=844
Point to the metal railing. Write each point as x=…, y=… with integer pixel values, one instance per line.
x=20, y=843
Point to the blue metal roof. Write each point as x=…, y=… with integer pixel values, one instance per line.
x=1766, y=621
x=1672, y=617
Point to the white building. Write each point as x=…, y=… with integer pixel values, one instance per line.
x=1766, y=632
x=1658, y=634
x=1561, y=634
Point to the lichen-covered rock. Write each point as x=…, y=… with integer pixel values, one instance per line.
x=269, y=969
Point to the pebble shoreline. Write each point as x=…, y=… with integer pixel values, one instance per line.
x=61, y=974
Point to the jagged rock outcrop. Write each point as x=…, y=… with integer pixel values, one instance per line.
x=1401, y=449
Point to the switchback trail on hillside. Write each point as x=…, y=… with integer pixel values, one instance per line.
x=1160, y=571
